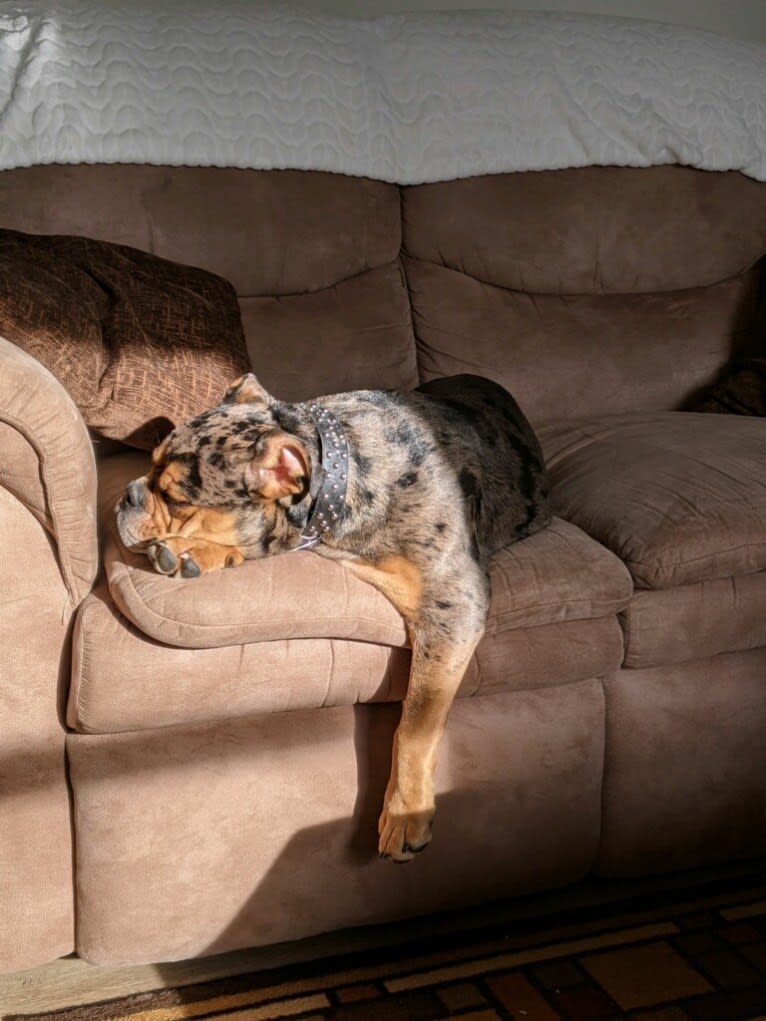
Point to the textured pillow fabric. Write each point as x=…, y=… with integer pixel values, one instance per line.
x=742, y=390
x=140, y=343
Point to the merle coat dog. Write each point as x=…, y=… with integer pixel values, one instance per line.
x=412, y=492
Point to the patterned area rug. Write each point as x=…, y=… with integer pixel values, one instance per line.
x=691, y=959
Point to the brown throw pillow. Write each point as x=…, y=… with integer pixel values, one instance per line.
x=741, y=391
x=141, y=343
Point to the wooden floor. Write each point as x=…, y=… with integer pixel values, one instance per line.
x=69, y=982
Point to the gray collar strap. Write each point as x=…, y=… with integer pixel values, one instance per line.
x=330, y=499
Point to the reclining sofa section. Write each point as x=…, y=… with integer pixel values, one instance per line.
x=228, y=738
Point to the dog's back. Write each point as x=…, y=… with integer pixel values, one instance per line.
x=497, y=456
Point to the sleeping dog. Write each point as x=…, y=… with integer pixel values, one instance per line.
x=412, y=492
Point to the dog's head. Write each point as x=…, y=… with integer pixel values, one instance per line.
x=228, y=479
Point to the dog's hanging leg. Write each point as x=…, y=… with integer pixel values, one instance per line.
x=408, y=808
x=444, y=632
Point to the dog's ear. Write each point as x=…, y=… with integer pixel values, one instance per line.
x=159, y=452
x=247, y=390
x=281, y=467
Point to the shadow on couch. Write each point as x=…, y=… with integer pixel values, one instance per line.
x=359, y=889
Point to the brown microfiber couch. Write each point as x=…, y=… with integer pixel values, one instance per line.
x=189, y=767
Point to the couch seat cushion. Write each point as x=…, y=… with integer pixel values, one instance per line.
x=679, y=497
x=557, y=575
x=664, y=626
x=124, y=681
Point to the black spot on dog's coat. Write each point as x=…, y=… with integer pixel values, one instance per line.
x=363, y=464
x=401, y=435
x=467, y=482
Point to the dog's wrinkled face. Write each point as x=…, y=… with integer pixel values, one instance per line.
x=220, y=488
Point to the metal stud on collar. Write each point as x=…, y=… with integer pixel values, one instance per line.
x=331, y=498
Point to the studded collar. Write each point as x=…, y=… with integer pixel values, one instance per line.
x=331, y=496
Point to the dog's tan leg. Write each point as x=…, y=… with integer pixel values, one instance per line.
x=444, y=635
x=405, y=822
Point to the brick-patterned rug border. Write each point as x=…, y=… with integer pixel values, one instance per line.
x=693, y=957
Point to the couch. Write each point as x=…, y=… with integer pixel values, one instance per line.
x=194, y=766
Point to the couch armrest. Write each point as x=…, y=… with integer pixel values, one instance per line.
x=58, y=483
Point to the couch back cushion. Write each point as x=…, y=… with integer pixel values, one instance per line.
x=314, y=257
x=585, y=291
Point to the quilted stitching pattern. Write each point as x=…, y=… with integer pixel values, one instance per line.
x=405, y=98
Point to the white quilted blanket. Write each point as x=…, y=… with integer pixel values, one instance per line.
x=406, y=98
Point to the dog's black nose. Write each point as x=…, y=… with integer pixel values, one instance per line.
x=135, y=495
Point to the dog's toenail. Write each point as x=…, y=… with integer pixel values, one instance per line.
x=166, y=561
x=409, y=848
x=135, y=495
x=188, y=568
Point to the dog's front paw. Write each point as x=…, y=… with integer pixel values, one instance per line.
x=191, y=558
x=403, y=833
x=165, y=561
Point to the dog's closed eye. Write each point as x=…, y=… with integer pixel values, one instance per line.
x=176, y=505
